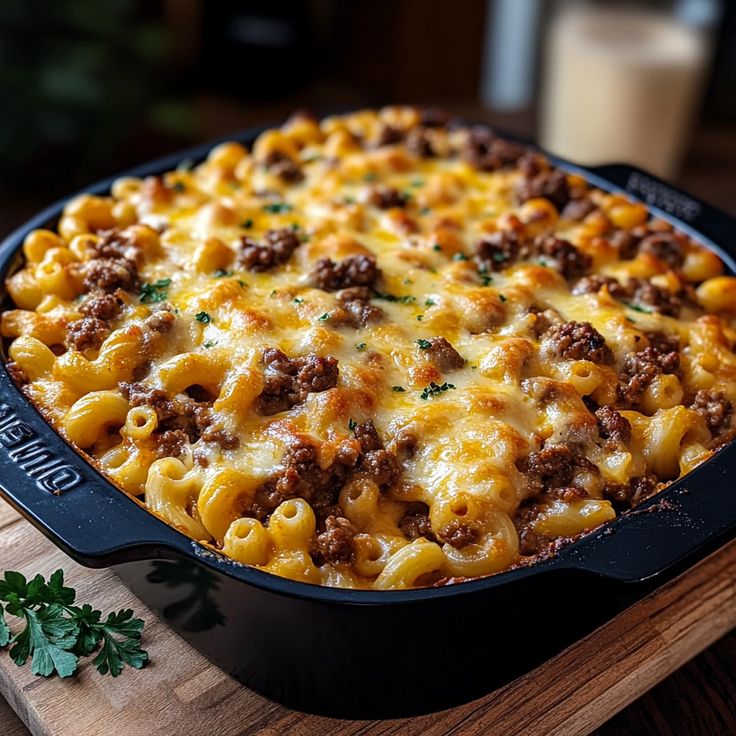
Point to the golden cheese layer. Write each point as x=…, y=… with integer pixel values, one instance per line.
x=376, y=351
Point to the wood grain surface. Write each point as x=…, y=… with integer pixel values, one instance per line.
x=182, y=693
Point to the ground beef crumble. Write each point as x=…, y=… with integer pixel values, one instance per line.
x=443, y=355
x=415, y=522
x=329, y=275
x=540, y=180
x=570, y=261
x=612, y=426
x=577, y=341
x=274, y=250
x=715, y=408
x=386, y=198
x=335, y=544
x=87, y=333
x=641, y=368
x=356, y=308
x=459, y=534
x=288, y=381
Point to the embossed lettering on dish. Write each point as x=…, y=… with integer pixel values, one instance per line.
x=30, y=454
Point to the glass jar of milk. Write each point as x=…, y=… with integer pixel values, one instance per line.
x=622, y=82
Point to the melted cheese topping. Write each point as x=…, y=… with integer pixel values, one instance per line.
x=489, y=461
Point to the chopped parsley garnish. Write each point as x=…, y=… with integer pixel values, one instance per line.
x=437, y=247
x=423, y=344
x=407, y=282
x=424, y=211
x=369, y=176
x=203, y=317
x=631, y=319
x=324, y=317
x=435, y=389
x=485, y=277
x=57, y=633
x=222, y=272
x=498, y=257
x=406, y=299
x=360, y=346
x=419, y=317
x=352, y=424
x=209, y=344
x=247, y=224
x=398, y=389
x=637, y=308
x=242, y=283
x=295, y=226
x=502, y=297
x=298, y=300
x=277, y=207
x=459, y=257
x=179, y=186
x=429, y=302
x=155, y=292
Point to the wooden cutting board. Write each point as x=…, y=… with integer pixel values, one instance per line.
x=180, y=692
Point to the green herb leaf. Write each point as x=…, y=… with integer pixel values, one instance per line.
x=369, y=176
x=423, y=344
x=203, y=317
x=352, y=424
x=179, y=186
x=221, y=273
x=637, y=308
x=4, y=628
x=155, y=292
x=429, y=302
x=247, y=224
x=459, y=257
x=209, y=344
x=437, y=247
x=121, y=635
x=324, y=317
x=298, y=300
x=276, y=207
x=360, y=346
x=398, y=389
x=57, y=633
x=48, y=637
x=434, y=389
x=420, y=317
x=87, y=620
x=503, y=298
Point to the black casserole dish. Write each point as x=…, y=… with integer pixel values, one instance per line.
x=358, y=653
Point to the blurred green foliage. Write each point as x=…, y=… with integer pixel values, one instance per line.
x=75, y=76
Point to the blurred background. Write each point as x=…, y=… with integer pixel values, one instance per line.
x=89, y=87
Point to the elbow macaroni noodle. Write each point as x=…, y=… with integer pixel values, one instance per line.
x=140, y=330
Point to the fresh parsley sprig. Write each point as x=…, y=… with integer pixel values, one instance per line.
x=57, y=633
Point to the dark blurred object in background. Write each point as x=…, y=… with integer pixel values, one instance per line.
x=93, y=86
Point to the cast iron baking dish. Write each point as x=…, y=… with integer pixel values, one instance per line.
x=355, y=653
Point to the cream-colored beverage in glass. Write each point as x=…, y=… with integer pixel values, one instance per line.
x=621, y=85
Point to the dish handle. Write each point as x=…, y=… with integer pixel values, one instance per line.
x=675, y=528
x=668, y=200
x=59, y=492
